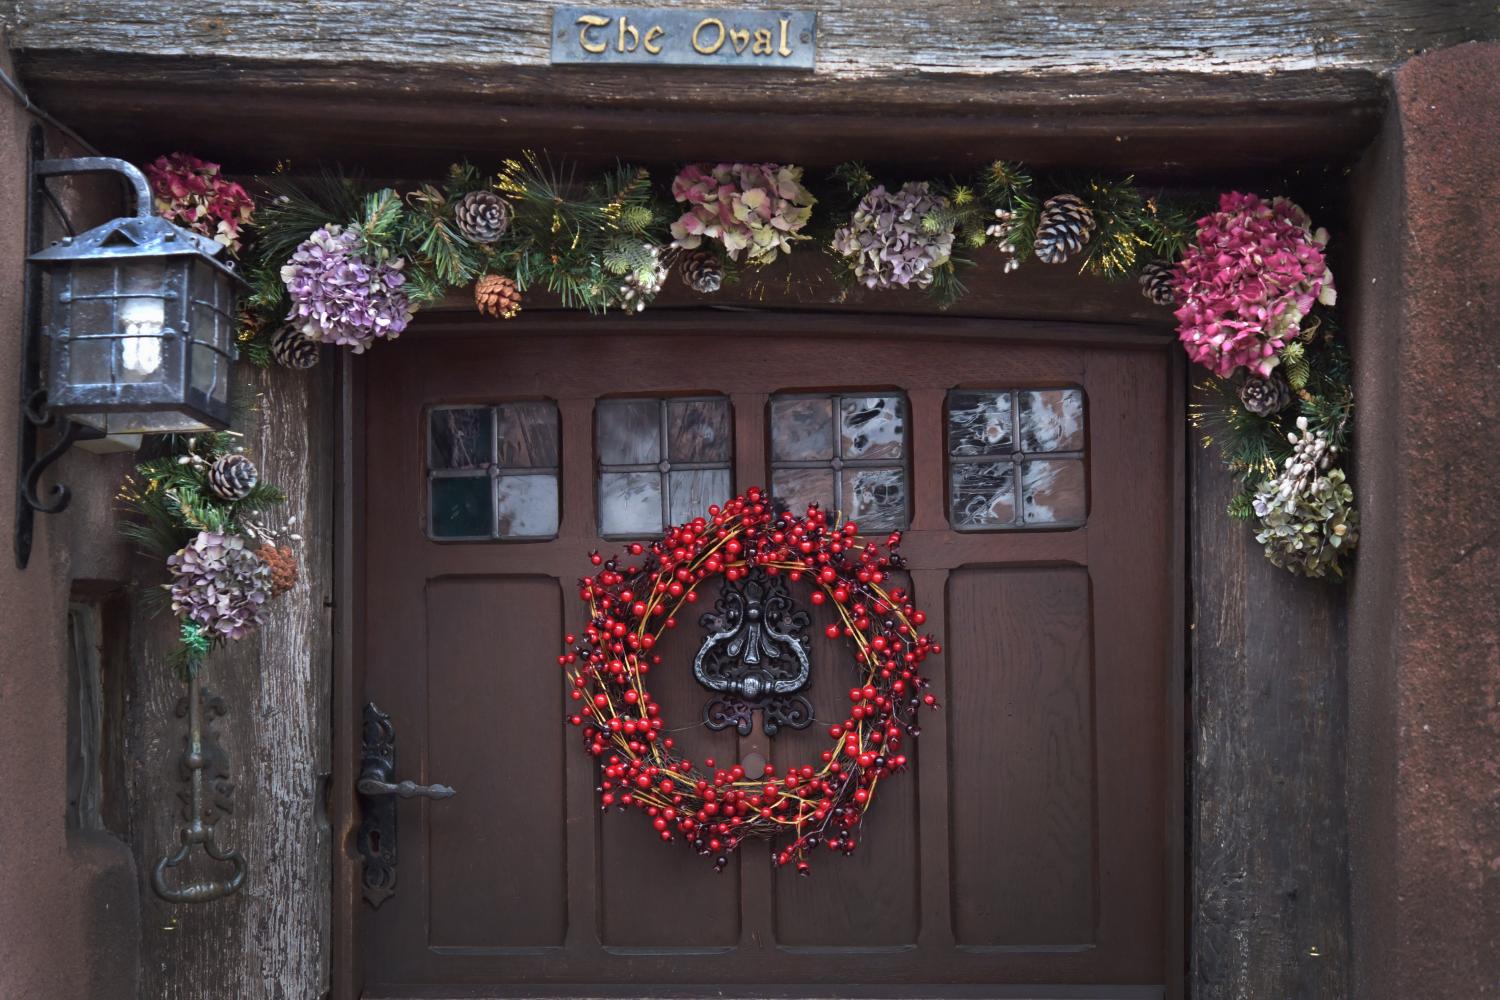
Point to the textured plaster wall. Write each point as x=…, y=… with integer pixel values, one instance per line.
x=68, y=900
x=1424, y=673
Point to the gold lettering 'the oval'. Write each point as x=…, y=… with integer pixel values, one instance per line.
x=708, y=50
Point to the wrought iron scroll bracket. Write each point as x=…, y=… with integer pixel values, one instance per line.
x=33, y=399
x=201, y=829
x=755, y=657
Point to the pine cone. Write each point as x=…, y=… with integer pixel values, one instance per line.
x=482, y=216
x=291, y=348
x=283, y=564
x=703, y=271
x=1265, y=397
x=496, y=295
x=232, y=477
x=1064, y=228
x=1156, y=282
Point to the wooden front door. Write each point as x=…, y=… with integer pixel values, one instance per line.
x=1028, y=851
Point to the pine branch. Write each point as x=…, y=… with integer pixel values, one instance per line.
x=1251, y=446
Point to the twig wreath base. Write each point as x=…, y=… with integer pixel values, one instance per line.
x=715, y=809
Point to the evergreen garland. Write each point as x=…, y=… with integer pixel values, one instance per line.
x=602, y=242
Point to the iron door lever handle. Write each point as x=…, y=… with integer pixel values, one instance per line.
x=405, y=789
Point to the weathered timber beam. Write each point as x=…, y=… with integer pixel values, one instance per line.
x=860, y=41
x=1155, y=85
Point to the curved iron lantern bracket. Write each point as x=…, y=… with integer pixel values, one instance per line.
x=34, y=411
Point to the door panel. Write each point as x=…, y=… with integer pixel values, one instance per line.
x=1026, y=844
x=1021, y=723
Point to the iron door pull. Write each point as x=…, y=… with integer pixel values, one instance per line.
x=378, y=792
x=371, y=787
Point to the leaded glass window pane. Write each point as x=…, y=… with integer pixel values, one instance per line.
x=492, y=472
x=1016, y=459
x=847, y=452
x=661, y=462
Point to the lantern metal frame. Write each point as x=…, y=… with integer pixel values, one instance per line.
x=141, y=236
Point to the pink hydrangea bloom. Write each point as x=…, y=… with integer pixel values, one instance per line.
x=1245, y=286
x=191, y=193
x=752, y=208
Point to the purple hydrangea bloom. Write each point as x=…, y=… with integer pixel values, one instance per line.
x=887, y=243
x=220, y=584
x=340, y=295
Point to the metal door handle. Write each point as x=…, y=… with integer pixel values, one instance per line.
x=378, y=792
x=406, y=789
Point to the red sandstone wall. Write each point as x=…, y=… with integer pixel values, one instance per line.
x=68, y=903
x=1424, y=672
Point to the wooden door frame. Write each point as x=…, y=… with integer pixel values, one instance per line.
x=347, y=670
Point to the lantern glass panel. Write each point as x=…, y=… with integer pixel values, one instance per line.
x=210, y=331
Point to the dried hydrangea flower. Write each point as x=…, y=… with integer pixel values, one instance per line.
x=342, y=295
x=220, y=585
x=755, y=209
x=888, y=245
x=191, y=193
x=1253, y=273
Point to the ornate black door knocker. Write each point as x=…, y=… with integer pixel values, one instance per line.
x=755, y=657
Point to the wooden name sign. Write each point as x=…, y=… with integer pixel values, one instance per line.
x=748, y=39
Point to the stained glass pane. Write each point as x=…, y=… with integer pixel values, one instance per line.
x=460, y=438
x=802, y=430
x=872, y=426
x=630, y=503
x=979, y=423
x=876, y=498
x=800, y=487
x=1052, y=420
x=698, y=430
x=461, y=507
x=526, y=506
x=1052, y=491
x=528, y=435
x=628, y=431
x=694, y=490
x=984, y=495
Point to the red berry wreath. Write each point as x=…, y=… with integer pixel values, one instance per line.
x=716, y=810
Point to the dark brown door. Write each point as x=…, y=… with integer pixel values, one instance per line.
x=1027, y=852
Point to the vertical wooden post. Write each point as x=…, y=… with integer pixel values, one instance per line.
x=1270, y=883
x=270, y=938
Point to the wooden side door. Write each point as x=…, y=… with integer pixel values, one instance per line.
x=1027, y=853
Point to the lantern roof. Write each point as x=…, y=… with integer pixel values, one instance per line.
x=134, y=236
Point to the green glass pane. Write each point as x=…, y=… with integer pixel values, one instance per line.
x=462, y=507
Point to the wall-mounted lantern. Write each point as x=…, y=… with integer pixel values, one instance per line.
x=138, y=315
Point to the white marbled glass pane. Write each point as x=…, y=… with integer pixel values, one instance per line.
x=802, y=430
x=1052, y=491
x=873, y=426
x=699, y=430
x=875, y=498
x=984, y=495
x=630, y=503
x=1052, y=420
x=799, y=487
x=526, y=506
x=693, y=491
x=979, y=423
x=628, y=431
x=528, y=435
